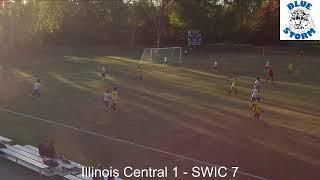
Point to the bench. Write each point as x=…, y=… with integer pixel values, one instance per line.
x=4, y=139
x=84, y=178
x=21, y=159
x=79, y=177
x=62, y=169
x=29, y=157
x=32, y=148
x=24, y=153
x=35, y=151
x=72, y=177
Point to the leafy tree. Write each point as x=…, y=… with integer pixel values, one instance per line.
x=134, y=22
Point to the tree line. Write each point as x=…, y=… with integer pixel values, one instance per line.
x=36, y=23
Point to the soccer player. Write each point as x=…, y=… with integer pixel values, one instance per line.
x=103, y=73
x=301, y=53
x=257, y=84
x=233, y=87
x=266, y=68
x=185, y=51
x=115, y=99
x=256, y=109
x=107, y=98
x=291, y=68
x=270, y=74
x=165, y=61
x=215, y=66
x=254, y=95
x=36, y=88
x=139, y=72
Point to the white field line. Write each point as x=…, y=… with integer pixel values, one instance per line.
x=73, y=74
x=128, y=142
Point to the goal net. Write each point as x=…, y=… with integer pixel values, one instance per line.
x=156, y=55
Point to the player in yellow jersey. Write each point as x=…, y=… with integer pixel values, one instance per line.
x=291, y=68
x=256, y=109
x=115, y=99
x=139, y=72
x=234, y=87
x=301, y=53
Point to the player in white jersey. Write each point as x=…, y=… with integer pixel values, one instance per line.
x=165, y=61
x=215, y=66
x=266, y=68
x=186, y=52
x=36, y=88
x=257, y=84
x=103, y=73
x=107, y=99
x=254, y=95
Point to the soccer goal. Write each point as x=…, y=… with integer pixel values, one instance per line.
x=156, y=55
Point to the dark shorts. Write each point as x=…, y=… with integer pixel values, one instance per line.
x=36, y=92
x=103, y=74
x=270, y=77
x=106, y=103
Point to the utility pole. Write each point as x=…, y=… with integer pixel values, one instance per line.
x=272, y=14
x=159, y=31
x=11, y=27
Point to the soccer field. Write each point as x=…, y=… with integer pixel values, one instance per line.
x=178, y=116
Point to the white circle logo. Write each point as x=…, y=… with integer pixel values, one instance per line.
x=300, y=20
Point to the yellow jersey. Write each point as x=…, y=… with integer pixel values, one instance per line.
x=115, y=97
x=234, y=83
x=290, y=67
x=139, y=70
x=256, y=107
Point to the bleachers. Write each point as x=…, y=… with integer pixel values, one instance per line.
x=29, y=157
x=72, y=177
x=79, y=177
x=5, y=140
x=25, y=161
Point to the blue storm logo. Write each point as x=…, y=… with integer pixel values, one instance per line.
x=300, y=24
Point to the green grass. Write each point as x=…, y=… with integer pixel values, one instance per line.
x=181, y=109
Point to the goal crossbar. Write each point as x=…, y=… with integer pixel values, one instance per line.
x=156, y=55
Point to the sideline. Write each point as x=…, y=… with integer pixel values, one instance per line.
x=127, y=142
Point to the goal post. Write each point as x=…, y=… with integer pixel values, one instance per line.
x=156, y=55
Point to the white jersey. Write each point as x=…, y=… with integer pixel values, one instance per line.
x=215, y=64
x=255, y=93
x=256, y=84
x=36, y=86
x=106, y=96
x=165, y=59
x=103, y=70
x=268, y=64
